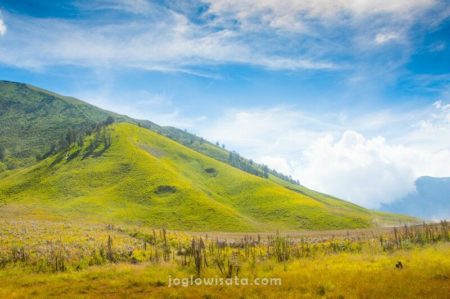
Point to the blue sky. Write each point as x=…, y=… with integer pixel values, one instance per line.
x=351, y=97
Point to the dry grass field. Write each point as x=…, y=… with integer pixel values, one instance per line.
x=45, y=259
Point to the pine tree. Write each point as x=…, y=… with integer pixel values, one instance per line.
x=2, y=153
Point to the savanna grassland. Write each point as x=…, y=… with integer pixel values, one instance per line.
x=42, y=259
x=99, y=205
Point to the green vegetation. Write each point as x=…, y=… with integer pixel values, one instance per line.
x=43, y=259
x=82, y=191
x=33, y=122
x=32, y=119
x=380, y=218
x=221, y=154
x=139, y=176
x=87, y=168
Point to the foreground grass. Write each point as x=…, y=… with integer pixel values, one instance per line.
x=52, y=259
x=426, y=274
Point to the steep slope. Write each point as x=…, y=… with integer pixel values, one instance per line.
x=144, y=177
x=431, y=200
x=31, y=119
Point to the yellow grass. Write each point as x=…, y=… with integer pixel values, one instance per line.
x=336, y=264
x=425, y=274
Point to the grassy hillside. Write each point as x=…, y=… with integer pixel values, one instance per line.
x=379, y=218
x=144, y=177
x=33, y=119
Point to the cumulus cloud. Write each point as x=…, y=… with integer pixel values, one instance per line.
x=365, y=171
x=332, y=157
x=369, y=171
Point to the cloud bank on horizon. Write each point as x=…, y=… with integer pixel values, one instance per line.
x=351, y=97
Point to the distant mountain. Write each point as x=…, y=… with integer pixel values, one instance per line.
x=431, y=200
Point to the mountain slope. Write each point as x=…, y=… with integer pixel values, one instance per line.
x=431, y=200
x=31, y=119
x=144, y=177
x=147, y=177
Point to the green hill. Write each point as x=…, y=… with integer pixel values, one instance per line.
x=160, y=176
x=144, y=177
x=33, y=120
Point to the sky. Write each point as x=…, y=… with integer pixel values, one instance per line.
x=350, y=97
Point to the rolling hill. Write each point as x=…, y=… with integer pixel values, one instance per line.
x=142, y=176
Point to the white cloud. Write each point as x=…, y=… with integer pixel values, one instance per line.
x=331, y=28
x=279, y=35
x=3, y=28
x=383, y=38
x=276, y=162
x=367, y=172
x=267, y=132
x=332, y=157
x=292, y=64
x=441, y=106
x=161, y=41
x=294, y=15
